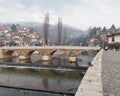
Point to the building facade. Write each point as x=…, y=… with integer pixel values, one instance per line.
x=114, y=40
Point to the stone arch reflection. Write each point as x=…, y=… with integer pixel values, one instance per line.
x=84, y=58
x=45, y=83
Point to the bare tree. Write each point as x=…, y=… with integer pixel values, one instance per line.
x=46, y=28
x=59, y=31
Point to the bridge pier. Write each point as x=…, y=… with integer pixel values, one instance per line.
x=23, y=57
x=46, y=58
x=72, y=59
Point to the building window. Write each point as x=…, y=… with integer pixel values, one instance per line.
x=113, y=38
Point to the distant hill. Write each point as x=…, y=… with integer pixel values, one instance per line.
x=79, y=41
x=72, y=33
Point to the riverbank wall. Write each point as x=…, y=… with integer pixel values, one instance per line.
x=91, y=84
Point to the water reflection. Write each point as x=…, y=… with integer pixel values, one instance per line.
x=39, y=79
x=45, y=83
x=63, y=81
x=84, y=58
x=19, y=92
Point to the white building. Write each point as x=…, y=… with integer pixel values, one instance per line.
x=114, y=38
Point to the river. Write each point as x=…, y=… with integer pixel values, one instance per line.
x=41, y=81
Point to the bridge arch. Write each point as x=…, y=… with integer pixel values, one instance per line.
x=52, y=52
x=8, y=53
x=58, y=53
x=30, y=53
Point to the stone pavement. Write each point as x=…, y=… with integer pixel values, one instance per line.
x=103, y=78
x=111, y=73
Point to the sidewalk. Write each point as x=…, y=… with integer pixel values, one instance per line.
x=111, y=73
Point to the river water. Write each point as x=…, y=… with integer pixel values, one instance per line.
x=39, y=81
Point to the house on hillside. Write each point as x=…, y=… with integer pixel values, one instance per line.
x=26, y=41
x=92, y=41
x=16, y=39
x=3, y=41
x=34, y=38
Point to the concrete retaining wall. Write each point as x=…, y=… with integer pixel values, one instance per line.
x=91, y=84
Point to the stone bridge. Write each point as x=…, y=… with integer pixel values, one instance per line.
x=27, y=51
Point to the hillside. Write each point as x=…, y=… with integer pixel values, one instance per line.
x=70, y=31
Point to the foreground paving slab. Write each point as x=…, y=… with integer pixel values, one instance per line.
x=111, y=73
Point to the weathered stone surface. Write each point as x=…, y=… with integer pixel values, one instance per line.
x=111, y=73
x=7, y=51
x=91, y=84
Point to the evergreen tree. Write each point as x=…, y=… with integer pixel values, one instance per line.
x=113, y=27
x=99, y=28
x=59, y=31
x=13, y=28
x=46, y=28
x=64, y=37
x=32, y=30
x=93, y=31
x=104, y=29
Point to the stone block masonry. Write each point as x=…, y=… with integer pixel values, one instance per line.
x=91, y=84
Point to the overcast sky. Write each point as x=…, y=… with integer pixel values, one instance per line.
x=76, y=13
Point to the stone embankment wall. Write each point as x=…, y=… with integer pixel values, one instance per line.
x=91, y=84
